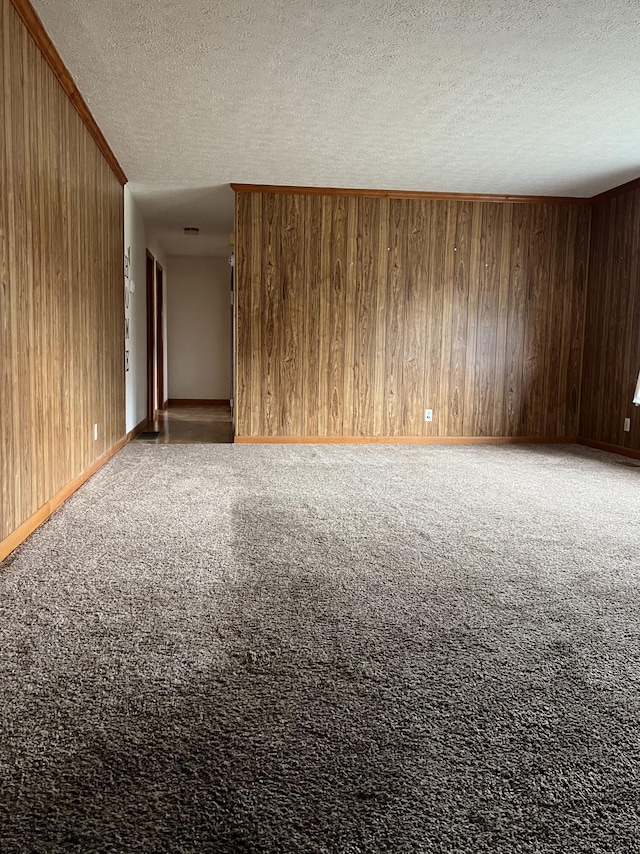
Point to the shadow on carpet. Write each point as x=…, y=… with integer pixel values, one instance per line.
x=214, y=649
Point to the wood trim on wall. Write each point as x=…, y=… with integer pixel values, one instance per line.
x=408, y=194
x=195, y=401
x=402, y=440
x=632, y=453
x=38, y=33
x=17, y=537
x=425, y=194
x=150, y=274
x=159, y=354
x=616, y=191
x=132, y=434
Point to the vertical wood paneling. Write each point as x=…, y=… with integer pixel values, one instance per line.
x=470, y=395
x=535, y=340
x=612, y=333
x=453, y=331
x=457, y=261
x=324, y=302
x=266, y=395
x=291, y=319
x=514, y=391
x=312, y=308
x=554, y=308
x=7, y=404
x=349, y=409
x=365, y=285
x=248, y=312
x=577, y=337
x=489, y=276
x=394, y=334
x=433, y=255
x=419, y=306
x=61, y=285
x=333, y=265
x=378, y=333
x=631, y=354
x=500, y=420
x=472, y=309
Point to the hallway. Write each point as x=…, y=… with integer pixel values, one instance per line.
x=192, y=425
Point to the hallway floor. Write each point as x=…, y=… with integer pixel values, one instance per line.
x=193, y=425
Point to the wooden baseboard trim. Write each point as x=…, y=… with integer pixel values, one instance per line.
x=611, y=449
x=403, y=440
x=17, y=537
x=131, y=435
x=195, y=401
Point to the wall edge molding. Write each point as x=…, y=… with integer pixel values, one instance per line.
x=196, y=401
x=24, y=531
x=616, y=191
x=36, y=30
x=131, y=435
x=631, y=453
x=410, y=194
x=403, y=440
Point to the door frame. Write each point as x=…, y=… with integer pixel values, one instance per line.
x=151, y=264
x=155, y=338
x=159, y=304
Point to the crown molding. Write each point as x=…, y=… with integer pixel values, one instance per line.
x=36, y=30
x=617, y=191
x=409, y=194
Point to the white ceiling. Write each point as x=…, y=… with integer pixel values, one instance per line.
x=507, y=96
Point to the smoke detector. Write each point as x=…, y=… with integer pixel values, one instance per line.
x=193, y=232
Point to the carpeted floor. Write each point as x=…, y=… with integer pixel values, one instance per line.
x=327, y=649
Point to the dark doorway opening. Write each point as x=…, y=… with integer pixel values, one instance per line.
x=160, y=399
x=155, y=338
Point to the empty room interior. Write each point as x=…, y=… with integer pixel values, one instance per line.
x=319, y=427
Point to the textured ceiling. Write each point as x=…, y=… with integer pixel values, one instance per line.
x=511, y=96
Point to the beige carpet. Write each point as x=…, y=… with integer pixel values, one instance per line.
x=327, y=649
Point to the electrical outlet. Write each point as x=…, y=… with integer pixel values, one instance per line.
x=428, y=415
x=95, y=432
x=627, y=425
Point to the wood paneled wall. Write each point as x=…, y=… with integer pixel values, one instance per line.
x=612, y=335
x=356, y=314
x=61, y=285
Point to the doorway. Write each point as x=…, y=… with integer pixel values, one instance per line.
x=160, y=400
x=155, y=338
x=199, y=409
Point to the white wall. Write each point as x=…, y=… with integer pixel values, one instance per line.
x=198, y=328
x=137, y=237
x=136, y=314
